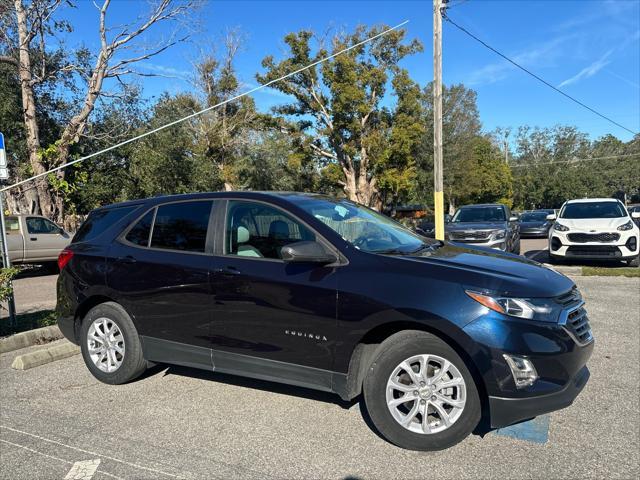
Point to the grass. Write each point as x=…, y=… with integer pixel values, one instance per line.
x=28, y=321
x=611, y=272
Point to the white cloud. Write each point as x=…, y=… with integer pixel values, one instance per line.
x=545, y=54
x=589, y=71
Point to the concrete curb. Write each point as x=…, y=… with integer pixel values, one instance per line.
x=30, y=338
x=44, y=356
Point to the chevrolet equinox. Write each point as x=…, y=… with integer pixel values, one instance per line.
x=323, y=293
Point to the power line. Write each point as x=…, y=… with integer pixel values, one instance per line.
x=175, y=122
x=576, y=160
x=540, y=79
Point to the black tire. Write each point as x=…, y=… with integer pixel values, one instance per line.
x=392, y=352
x=133, y=362
x=634, y=262
x=516, y=248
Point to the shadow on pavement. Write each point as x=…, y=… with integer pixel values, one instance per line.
x=30, y=271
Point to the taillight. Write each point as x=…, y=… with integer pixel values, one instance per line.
x=64, y=257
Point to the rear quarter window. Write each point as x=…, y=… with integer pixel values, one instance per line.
x=100, y=220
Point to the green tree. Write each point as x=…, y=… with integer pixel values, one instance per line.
x=339, y=102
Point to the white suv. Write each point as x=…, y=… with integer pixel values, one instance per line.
x=594, y=228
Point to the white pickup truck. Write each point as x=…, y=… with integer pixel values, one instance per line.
x=34, y=239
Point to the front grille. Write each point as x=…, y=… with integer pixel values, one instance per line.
x=578, y=326
x=470, y=236
x=593, y=250
x=594, y=237
x=572, y=297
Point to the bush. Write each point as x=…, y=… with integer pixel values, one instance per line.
x=6, y=275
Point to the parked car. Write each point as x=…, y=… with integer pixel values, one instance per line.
x=634, y=209
x=534, y=224
x=34, y=239
x=427, y=226
x=322, y=293
x=594, y=228
x=487, y=225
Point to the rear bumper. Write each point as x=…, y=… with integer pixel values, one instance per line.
x=507, y=411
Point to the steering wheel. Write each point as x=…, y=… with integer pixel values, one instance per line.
x=360, y=241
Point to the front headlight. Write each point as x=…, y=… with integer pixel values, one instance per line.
x=626, y=226
x=528, y=308
x=560, y=227
x=499, y=234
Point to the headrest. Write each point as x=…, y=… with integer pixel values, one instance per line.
x=242, y=235
x=279, y=229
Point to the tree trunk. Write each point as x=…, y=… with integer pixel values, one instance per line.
x=44, y=202
x=228, y=187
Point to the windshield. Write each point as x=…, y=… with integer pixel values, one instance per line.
x=534, y=217
x=479, y=214
x=364, y=228
x=593, y=210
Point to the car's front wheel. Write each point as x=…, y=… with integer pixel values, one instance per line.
x=420, y=394
x=634, y=262
x=110, y=344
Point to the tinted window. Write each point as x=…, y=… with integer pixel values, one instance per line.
x=181, y=226
x=480, y=214
x=258, y=230
x=139, y=234
x=38, y=225
x=593, y=210
x=99, y=221
x=533, y=217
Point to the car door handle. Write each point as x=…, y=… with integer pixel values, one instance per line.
x=228, y=271
x=127, y=259
x=33, y=239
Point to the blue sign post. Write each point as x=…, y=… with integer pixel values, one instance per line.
x=6, y=261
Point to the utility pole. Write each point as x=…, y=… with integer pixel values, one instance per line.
x=438, y=7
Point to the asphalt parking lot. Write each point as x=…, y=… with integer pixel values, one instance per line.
x=183, y=423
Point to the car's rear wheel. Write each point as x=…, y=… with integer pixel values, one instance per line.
x=420, y=394
x=110, y=344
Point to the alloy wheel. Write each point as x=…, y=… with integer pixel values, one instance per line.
x=426, y=394
x=105, y=344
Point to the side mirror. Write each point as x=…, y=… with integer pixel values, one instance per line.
x=551, y=216
x=306, y=252
x=513, y=218
x=635, y=214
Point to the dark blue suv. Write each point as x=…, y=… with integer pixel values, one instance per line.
x=325, y=294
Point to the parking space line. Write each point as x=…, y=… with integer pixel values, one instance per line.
x=83, y=470
x=535, y=430
x=55, y=458
x=124, y=462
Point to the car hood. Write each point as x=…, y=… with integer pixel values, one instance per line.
x=454, y=227
x=485, y=269
x=598, y=224
x=532, y=224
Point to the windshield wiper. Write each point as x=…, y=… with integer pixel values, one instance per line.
x=397, y=251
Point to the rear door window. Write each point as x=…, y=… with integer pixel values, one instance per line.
x=182, y=226
x=99, y=221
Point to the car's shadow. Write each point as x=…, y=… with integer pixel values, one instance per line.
x=30, y=271
x=542, y=256
x=283, y=389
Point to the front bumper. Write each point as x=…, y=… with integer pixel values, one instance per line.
x=561, y=246
x=534, y=232
x=507, y=411
x=560, y=362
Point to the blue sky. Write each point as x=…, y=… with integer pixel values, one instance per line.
x=590, y=49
